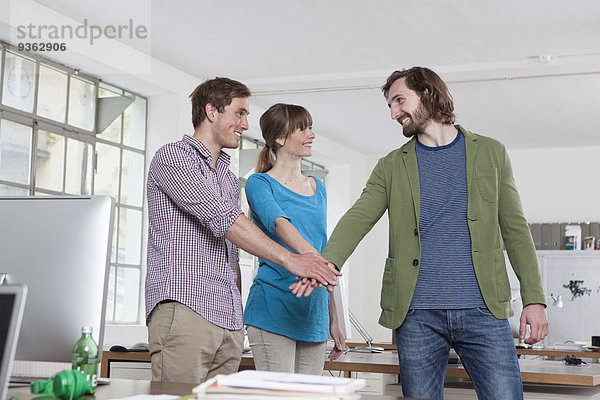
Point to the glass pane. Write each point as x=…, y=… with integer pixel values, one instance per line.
x=246, y=209
x=52, y=94
x=134, y=126
x=127, y=294
x=82, y=104
x=19, y=82
x=79, y=167
x=132, y=179
x=50, y=160
x=6, y=190
x=106, y=90
x=15, y=152
x=130, y=236
x=40, y=193
x=113, y=250
x=113, y=131
x=248, y=144
x=110, y=295
x=107, y=170
x=234, y=163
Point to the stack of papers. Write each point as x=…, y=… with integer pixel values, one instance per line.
x=273, y=385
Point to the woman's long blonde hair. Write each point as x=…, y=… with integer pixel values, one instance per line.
x=279, y=121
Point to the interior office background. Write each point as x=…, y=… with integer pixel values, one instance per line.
x=526, y=74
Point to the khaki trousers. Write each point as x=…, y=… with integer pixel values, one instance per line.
x=185, y=347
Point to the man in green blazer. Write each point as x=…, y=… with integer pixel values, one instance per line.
x=449, y=194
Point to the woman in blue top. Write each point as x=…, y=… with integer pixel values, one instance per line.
x=286, y=333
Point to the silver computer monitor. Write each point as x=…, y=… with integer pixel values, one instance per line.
x=60, y=248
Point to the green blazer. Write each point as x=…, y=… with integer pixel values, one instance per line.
x=494, y=209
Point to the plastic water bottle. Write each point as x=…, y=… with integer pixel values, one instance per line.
x=85, y=356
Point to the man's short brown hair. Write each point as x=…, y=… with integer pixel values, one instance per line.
x=432, y=90
x=219, y=92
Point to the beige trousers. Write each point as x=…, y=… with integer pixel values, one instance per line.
x=273, y=352
x=185, y=347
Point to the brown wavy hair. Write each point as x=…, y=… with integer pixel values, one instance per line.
x=432, y=90
x=219, y=92
x=280, y=120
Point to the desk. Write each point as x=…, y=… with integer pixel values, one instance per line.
x=119, y=388
x=559, y=353
x=544, y=371
x=532, y=371
x=381, y=363
x=131, y=356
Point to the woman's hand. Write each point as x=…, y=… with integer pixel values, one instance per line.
x=335, y=330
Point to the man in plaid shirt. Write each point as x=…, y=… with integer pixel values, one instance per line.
x=193, y=302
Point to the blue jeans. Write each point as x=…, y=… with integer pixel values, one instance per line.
x=483, y=343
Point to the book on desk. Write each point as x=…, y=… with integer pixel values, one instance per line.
x=280, y=384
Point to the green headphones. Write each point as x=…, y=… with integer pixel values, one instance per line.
x=66, y=385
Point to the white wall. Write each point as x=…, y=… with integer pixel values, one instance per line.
x=558, y=185
x=375, y=253
x=348, y=172
x=367, y=266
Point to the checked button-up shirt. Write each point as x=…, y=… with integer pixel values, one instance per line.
x=190, y=208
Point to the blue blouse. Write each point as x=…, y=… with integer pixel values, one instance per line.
x=271, y=306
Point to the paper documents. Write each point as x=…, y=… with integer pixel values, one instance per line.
x=280, y=384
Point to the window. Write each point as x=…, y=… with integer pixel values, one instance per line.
x=53, y=142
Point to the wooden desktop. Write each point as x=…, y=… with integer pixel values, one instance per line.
x=532, y=371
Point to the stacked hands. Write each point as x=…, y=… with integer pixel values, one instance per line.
x=312, y=270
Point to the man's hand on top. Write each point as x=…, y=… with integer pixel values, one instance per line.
x=312, y=265
x=305, y=286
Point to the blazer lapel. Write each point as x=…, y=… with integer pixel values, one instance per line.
x=412, y=170
x=471, y=150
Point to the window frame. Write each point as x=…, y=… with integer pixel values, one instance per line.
x=37, y=123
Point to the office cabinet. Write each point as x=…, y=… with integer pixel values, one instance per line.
x=131, y=370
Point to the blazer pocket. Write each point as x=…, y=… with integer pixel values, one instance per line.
x=388, y=287
x=487, y=182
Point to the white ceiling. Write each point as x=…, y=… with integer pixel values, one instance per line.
x=525, y=72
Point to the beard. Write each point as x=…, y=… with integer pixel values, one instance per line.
x=417, y=122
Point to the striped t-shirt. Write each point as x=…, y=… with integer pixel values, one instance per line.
x=446, y=276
